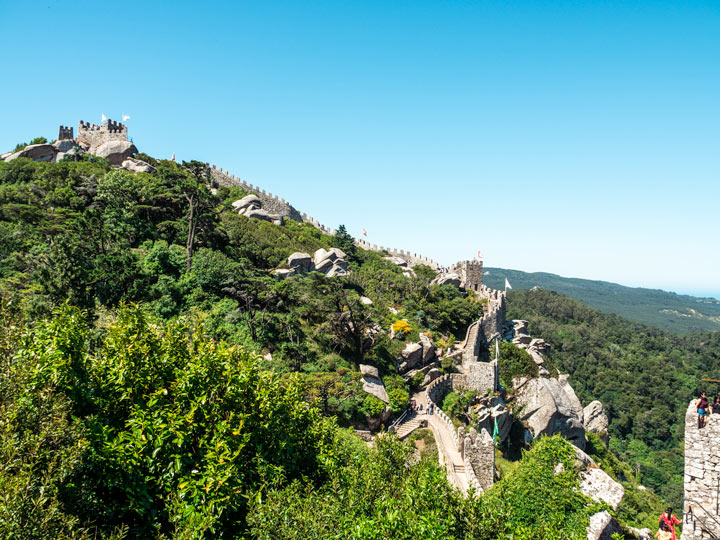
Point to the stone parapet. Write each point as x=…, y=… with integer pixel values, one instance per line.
x=701, y=508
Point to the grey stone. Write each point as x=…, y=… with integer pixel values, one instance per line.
x=301, y=262
x=602, y=526
x=549, y=406
x=337, y=270
x=65, y=145
x=372, y=371
x=412, y=354
x=116, y=151
x=491, y=410
x=36, y=152
x=364, y=300
x=372, y=384
x=598, y=485
x=137, y=165
x=431, y=375
x=249, y=201
x=324, y=266
x=397, y=261
x=428, y=350
x=447, y=279
x=595, y=419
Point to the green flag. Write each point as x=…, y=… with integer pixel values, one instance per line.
x=496, y=432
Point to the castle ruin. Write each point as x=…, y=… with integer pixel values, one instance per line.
x=92, y=135
x=471, y=274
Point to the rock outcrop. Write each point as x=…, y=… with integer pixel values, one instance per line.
x=251, y=206
x=550, y=406
x=403, y=264
x=595, y=419
x=330, y=262
x=137, y=165
x=490, y=410
x=598, y=485
x=372, y=384
x=116, y=151
x=447, y=279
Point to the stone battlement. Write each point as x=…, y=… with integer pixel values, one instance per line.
x=470, y=272
x=412, y=259
x=65, y=132
x=701, y=509
x=93, y=135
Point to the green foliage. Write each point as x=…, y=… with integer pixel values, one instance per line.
x=372, y=406
x=644, y=377
x=36, y=140
x=158, y=428
x=668, y=311
x=514, y=362
x=399, y=399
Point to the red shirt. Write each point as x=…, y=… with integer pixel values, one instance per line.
x=670, y=523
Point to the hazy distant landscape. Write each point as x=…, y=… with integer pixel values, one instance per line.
x=682, y=314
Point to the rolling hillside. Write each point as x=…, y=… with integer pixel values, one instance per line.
x=669, y=311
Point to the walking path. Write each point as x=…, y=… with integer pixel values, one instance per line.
x=448, y=454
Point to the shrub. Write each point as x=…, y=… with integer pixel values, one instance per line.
x=399, y=399
x=372, y=406
x=515, y=361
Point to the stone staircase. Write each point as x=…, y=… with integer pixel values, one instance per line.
x=410, y=424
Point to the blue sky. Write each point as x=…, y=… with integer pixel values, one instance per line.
x=580, y=138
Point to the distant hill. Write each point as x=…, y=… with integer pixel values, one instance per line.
x=678, y=313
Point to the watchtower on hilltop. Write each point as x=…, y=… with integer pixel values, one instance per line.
x=93, y=135
x=471, y=274
x=65, y=132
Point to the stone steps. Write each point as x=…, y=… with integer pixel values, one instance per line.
x=407, y=427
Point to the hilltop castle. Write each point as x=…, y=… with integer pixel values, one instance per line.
x=92, y=135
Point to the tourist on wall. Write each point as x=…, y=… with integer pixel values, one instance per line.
x=669, y=520
x=716, y=405
x=702, y=409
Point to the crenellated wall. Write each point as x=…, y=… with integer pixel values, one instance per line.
x=701, y=509
x=471, y=274
x=272, y=203
x=412, y=259
x=93, y=135
x=476, y=449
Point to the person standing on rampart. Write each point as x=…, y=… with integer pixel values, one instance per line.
x=702, y=409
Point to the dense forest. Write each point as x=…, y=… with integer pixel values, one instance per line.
x=645, y=378
x=676, y=313
x=158, y=381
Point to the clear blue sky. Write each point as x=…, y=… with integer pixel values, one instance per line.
x=580, y=138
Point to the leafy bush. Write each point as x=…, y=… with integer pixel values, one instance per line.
x=372, y=406
x=399, y=399
x=514, y=362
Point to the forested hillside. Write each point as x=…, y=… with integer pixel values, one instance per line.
x=668, y=311
x=643, y=376
x=157, y=381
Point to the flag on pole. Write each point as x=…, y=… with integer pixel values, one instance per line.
x=364, y=232
x=125, y=117
x=480, y=255
x=507, y=284
x=103, y=117
x=496, y=432
x=173, y=157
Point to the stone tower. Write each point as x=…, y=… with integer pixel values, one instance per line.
x=64, y=132
x=701, y=509
x=92, y=136
x=471, y=274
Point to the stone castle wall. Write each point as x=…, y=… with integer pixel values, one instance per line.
x=476, y=449
x=65, y=132
x=412, y=259
x=701, y=509
x=93, y=135
x=471, y=274
x=272, y=203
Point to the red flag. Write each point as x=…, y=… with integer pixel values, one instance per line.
x=173, y=158
x=364, y=232
x=480, y=255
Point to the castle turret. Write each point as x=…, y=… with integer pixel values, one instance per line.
x=92, y=135
x=471, y=274
x=64, y=132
